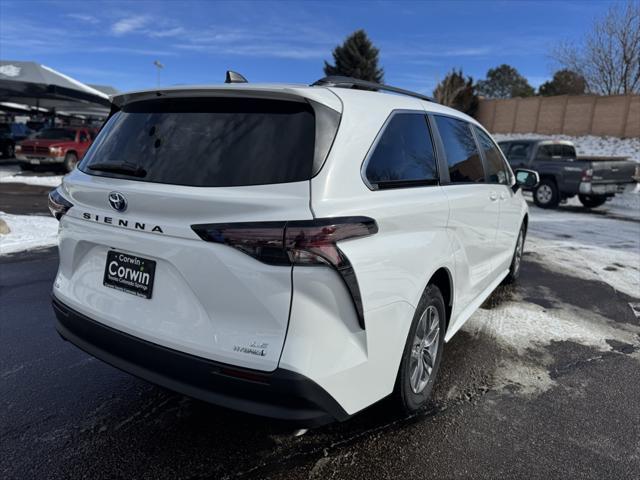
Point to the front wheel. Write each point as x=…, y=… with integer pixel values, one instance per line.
x=592, y=201
x=546, y=194
x=70, y=161
x=516, y=261
x=422, y=352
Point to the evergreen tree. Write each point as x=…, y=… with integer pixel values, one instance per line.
x=356, y=57
x=564, y=82
x=457, y=92
x=504, y=82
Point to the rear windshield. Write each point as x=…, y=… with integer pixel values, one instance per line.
x=57, y=134
x=214, y=142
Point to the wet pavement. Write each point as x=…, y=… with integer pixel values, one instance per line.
x=66, y=415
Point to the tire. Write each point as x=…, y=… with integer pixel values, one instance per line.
x=10, y=151
x=516, y=260
x=592, y=201
x=70, y=161
x=411, y=391
x=546, y=195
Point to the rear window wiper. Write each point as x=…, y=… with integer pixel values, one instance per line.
x=122, y=168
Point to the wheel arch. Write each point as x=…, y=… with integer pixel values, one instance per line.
x=443, y=279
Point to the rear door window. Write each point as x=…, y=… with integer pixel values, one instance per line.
x=518, y=152
x=463, y=158
x=568, y=151
x=497, y=171
x=404, y=154
x=214, y=142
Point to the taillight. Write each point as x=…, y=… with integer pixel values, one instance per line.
x=299, y=242
x=587, y=175
x=58, y=205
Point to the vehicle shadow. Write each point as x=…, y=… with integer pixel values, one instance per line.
x=147, y=431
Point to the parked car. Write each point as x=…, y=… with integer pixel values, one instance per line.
x=57, y=145
x=10, y=133
x=564, y=174
x=299, y=252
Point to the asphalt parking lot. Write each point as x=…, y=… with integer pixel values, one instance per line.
x=543, y=382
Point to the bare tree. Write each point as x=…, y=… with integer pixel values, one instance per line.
x=458, y=92
x=609, y=57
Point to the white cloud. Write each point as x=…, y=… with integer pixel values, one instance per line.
x=169, y=32
x=83, y=18
x=129, y=24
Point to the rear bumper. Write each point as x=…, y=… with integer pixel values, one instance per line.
x=35, y=159
x=281, y=394
x=609, y=189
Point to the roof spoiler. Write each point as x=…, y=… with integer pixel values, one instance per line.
x=355, y=83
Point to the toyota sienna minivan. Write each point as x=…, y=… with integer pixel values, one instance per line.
x=297, y=252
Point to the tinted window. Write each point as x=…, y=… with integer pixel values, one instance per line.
x=461, y=150
x=556, y=151
x=545, y=152
x=57, y=134
x=518, y=151
x=496, y=169
x=216, y=142
x=404, y=152
x=568, y=151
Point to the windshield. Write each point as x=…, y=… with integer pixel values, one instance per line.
x=211, y=142
x=56, y=134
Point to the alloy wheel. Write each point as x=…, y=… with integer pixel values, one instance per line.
x=424, y=349
x=544, y=194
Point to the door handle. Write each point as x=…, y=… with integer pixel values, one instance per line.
x=493, y=196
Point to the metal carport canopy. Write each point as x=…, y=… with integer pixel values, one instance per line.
x=40, y=86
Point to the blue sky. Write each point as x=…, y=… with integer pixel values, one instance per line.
x=115, y=43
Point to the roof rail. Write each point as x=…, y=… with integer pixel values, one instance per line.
x=350, y=82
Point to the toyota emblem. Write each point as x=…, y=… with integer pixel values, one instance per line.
x=117, y=201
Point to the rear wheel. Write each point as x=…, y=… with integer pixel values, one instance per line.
x=546, y=194
x=422, y=352
x=10, y=151
x=592, y=201
x=70, y=161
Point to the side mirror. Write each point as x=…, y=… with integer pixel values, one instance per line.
x=526, y=179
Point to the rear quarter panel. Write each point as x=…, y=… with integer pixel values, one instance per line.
x=392, y=266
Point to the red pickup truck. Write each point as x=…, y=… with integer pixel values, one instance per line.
x=59, y=145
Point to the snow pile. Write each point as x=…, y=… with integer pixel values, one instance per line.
x=28, y=231
x=45, y=181
x=587, y=144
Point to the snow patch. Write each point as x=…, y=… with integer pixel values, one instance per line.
x=587, y=246
x=522, y=326
x=28, y=232
x=46, y=181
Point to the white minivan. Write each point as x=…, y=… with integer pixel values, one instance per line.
x=298, y=252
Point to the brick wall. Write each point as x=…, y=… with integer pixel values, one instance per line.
x=616, y=116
